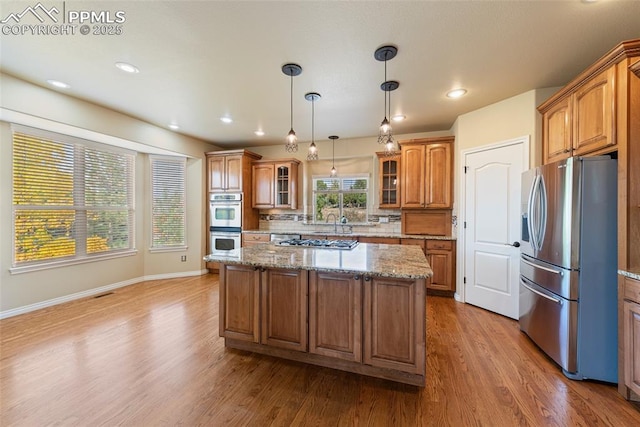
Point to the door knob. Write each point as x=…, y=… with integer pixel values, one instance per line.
x=516, y=244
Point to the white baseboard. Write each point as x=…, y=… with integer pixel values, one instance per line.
x=95, y=291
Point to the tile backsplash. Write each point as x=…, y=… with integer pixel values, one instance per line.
x=281, y=222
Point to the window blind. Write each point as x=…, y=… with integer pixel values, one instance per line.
x=71, y=198
x=168, y=218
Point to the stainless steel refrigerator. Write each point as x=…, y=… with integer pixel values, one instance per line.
x=568, y=273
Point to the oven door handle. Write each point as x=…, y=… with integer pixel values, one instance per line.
x=557, y=301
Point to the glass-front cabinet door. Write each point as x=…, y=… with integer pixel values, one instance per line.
x=389, y=187
x=282, y=185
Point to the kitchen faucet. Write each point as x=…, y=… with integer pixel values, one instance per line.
x=335, y=222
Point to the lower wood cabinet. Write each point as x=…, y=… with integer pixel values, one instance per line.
x=394, y=324
x=240, y=303
x=284, y=308
x=369, y=325
x=335, y=315
x=441, y=255
x=631, y=333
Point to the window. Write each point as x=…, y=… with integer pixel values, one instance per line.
x=72, y=199
x=344, y=197
x=168, y=202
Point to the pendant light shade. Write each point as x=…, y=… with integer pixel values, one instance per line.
x=385, y=135
x=313, y=150
x=334, y=171
x=291, y=70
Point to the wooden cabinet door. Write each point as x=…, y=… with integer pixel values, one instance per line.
x=286, y=188
x=234, y=171
x=389, y=182
x=440, y=255
x=556, y=132
x=216, y=173
x=413, y=170
x=438, y=168
x=631, y=332
x=594, y=114
x=239, y=307
x=263, y=191
x=335, y=315
x=284, y=309
x=394, y=324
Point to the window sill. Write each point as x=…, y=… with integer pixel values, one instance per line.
x=169, y=249
x=65, y=263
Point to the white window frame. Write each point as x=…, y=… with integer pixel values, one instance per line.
x=81, y=256
x=341, y=193
x=183, y=179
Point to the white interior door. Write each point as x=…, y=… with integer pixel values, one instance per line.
x=492, y=217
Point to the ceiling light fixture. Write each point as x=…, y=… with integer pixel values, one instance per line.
x=334, y=171
x=386, y=53
x=259, y=133
x=58, y=84
x=127, y=68
x=226, y=119
x=398, y=117
x=456, y=93
x=313, y=150
x=291, y=70
x=173, y=126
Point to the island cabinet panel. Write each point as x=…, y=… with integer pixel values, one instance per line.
x=631, y=334
x=239, y=308
x=284, y=309
x=335, y=315
x=394, y=324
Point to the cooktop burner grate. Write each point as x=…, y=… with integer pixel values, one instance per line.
x=320, y=243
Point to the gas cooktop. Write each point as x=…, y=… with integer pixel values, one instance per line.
x=320, y=243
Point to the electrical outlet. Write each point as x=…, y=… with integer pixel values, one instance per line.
x=183, y=258
x=384, y=220
x=296, y=218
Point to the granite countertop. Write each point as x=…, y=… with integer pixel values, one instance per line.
x=398, y=261
x=329, y=232
x=633, y=274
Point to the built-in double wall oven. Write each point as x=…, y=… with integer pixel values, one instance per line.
x=225, y=221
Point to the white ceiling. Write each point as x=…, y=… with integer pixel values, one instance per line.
x=202, y=60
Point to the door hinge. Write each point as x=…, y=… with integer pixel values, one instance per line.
x=464, y=280
x=464, y=224
x=466, y=168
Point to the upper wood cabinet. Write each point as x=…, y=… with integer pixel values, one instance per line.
x=275, y=184
x=389, y=183
x=426, y=174
x=582, y=117
x=229, y=171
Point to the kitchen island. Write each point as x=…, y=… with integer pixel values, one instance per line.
x=360, y=310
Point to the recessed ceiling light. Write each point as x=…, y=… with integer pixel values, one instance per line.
x=259, y=133
x=174, y=126
x=127, y=68
x=59, y=84
x=226, y=119
x=456, y=93
x=398, y=117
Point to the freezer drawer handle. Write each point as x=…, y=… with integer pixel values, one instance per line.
x=557, y=301
x=541, y=267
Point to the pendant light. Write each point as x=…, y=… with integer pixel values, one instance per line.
x=313, y=150
x=334, y=171
x=385, y=136
x=291, y=70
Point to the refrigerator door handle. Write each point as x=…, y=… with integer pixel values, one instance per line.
x=557, y=301
x=550, y=270
x=543, y=219
x=532, y=218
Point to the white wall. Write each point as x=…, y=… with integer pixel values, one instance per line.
x=24, y=291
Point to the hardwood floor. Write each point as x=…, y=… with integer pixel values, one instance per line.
x=149, y=354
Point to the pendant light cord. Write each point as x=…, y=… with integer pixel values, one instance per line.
x=313, y=116
x=291, y=99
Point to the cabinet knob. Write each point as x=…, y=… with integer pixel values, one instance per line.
x=367, y=278
x=567, y=150
x=356, y=277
